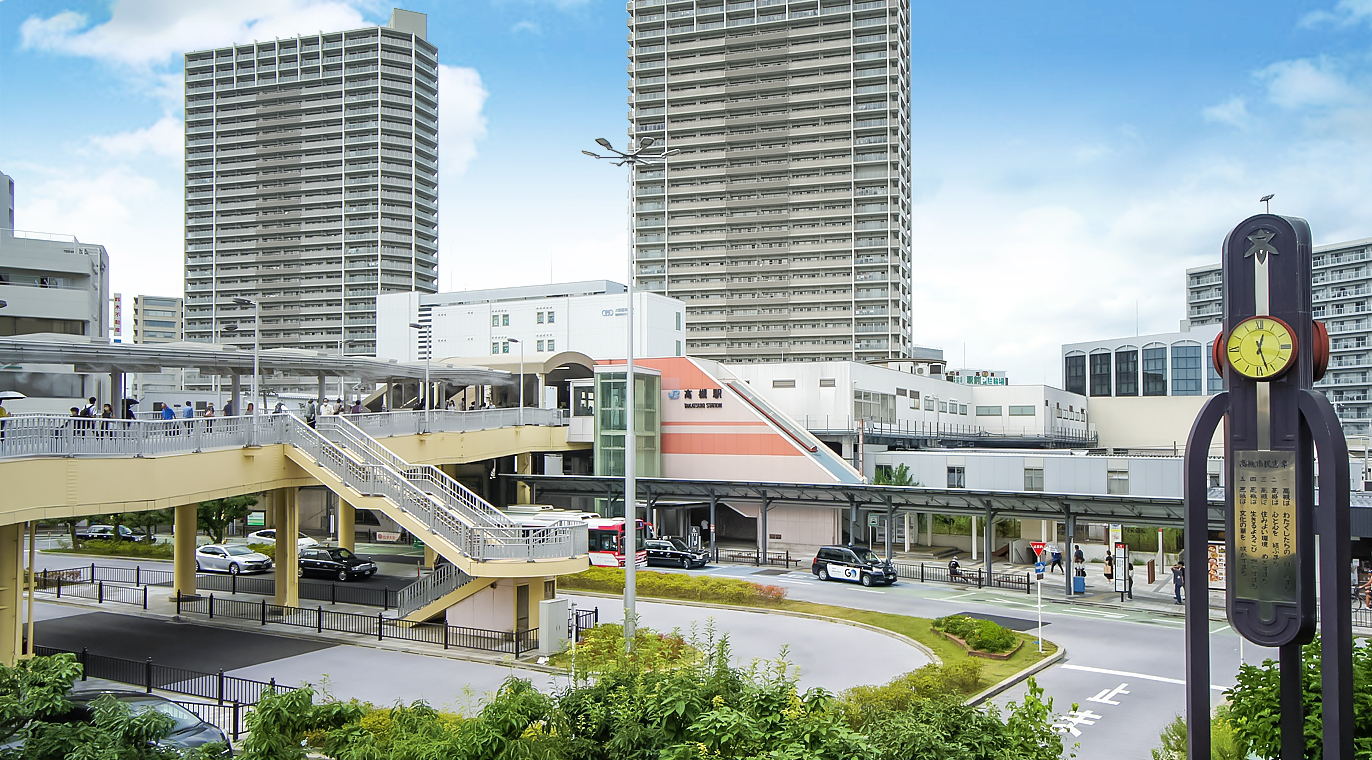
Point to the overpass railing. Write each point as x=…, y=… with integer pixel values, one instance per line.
x=391, y=424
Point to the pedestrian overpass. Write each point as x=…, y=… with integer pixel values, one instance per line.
x=57, y=468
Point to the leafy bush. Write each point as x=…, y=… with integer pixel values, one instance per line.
x=981, y=635
x=112, y=548
x=863, y=705
x=267, y=549
x=602, y=650
x=700, y=588
x=1224, y=745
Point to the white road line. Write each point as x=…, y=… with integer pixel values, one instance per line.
x=799, y=583
x=1127, y=674
x=955, y=596
x=870, y=591
x=1092, y=613
x=1221, y=628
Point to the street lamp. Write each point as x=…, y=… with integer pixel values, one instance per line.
x=256, y=355
x=633, y=158
x=427, y=390
x=1266, y=201
x=521, y=378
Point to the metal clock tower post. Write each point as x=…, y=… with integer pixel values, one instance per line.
x=1270, y=352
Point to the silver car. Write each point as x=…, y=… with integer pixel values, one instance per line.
x=231, y=558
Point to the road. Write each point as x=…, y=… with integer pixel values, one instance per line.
x=1124, y=668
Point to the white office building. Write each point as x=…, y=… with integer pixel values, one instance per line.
x=311, y=184
x=1164, y=364
x=784, y=222
x=1341, y=281
x=156, y=319
x=57, y=285
x=586, y=317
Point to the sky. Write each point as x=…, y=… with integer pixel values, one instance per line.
x=1070, y=159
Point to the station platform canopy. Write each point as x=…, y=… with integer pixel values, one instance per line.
x=219, y=359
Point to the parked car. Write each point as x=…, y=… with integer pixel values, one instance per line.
x=673, y=552
x=188, y=730
x=853, y=563
x=268, y=536
x=335, y=562
x=231, y=558
x=106, y=533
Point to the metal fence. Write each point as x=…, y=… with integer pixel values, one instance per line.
x=977, y=576
x=580, y=621
x=116, y=581
x=517, y=643
x=149, y=675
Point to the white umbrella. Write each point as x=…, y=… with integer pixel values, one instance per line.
x=10, y=395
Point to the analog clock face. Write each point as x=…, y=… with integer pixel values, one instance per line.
x=1261, y=348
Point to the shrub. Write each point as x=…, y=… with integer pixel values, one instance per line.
x=863, y=705
x=267, y=549
x=700, y=588
x=981, y=635
x=111, y=548
x=602, y=650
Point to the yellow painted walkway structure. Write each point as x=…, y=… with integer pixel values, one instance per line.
x=57, y=468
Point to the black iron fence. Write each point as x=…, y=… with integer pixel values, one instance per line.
x=517, y=643
x=99, y=591
x=93, y=574
x=977, y=576
x=231, y=717
x=582, y=620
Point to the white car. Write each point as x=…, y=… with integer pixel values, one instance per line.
x=268, y=536
x=231, y=558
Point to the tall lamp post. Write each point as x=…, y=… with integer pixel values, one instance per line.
x=521, y=378
x=256, y=356
x=428, y=391
x=633, y=158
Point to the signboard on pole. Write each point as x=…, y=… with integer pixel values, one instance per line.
x=1039, y=568
x=1122, y=567
x=1214, y=565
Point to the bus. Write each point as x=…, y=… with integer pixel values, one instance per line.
x=606, y=539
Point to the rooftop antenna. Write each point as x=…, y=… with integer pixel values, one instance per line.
x=1266, y=200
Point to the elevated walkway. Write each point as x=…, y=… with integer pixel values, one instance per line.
x=64, y=467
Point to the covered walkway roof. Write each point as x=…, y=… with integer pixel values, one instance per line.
x=1133, y=510
x=220, y=359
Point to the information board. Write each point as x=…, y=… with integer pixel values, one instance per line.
x=1265, y=526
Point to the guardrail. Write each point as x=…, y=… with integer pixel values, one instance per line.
x=444, y=580
x=319, y=619
x=970, y=576
x=149, y=675
x=95, y=575
x=390, y=424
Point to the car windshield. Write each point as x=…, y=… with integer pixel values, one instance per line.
x=341, y=554
x=679, y=544
x=182, y=718
x=238, y=550
x=868, y=556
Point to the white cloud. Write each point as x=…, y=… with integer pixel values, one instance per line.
x=1345, y=13
x=1306, y=82
x=460, y=120
x=164, y=138
x=526, y=26
x=1233, y=112
x=146, y=34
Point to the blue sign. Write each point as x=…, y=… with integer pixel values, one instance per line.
x=1039, y=568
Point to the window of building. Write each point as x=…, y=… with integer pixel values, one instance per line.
x=552, y=345
x=828, y=382
x=783, y=383
x=943, y=407
x=495, y=348
x=678, y=320
x=988, y=411
x=957, y=477
x=928, y=404
x=1033, y=478
x=1186, y=369
x=495, y=320
x=31, y=325
x=1127, y=371
x=505, y=348
x=874, y=406
x=505, y=320
x=1100, y=374
x=962, y=409
x=1022, y=411
x=678, y=348
x=1155, y=370
x=1214, y=382
x=1074, y=373
x=1117, y=482
x=540, y=317
x=583, y=401
x=540, y=345
x=551, y=316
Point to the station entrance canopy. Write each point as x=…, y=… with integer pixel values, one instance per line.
x=219, y=359
x=1132, y=510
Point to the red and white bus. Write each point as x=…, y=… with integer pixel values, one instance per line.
x=606, y=539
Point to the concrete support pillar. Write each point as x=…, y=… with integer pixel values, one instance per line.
x=762, y=532
x=929, y=527
x=906, y=516
x=319, y=397
x=183, y=550
x=117, y=393
x=430, y=556
x=234, y=387
x=852, y=521
x=990, y=536
x=1071, y=544
x=714, y=502
x=974, y=538
x=524, y=465
x=287, y=551
x=11, y=594
x=890, y=528
x=347, y=519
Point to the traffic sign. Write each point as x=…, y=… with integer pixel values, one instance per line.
x=1038, y=547
x=1039, y=568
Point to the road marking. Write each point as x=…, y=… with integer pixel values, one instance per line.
x=800, y=583
x=1127, y=674
x=1093, y=613
x=955, y=596
x=870, y=591
x=1107, y=696
x=1221, y=628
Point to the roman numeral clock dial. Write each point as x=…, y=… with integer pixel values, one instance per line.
x=1261, y=348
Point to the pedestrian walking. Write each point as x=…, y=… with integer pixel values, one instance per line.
x=209, y=417
x=1056, y=554
x=1129, y=579
x=311, y=413
x=1178, y=579
x=107, y=415
x=188, y=414
x=168, y=413
x=228, y=408
x=1109, y=568
x=3, y=414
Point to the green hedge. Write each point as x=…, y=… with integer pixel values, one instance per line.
x=267, y=549
x=981, y=635
x=696, y=588
x=113, y=548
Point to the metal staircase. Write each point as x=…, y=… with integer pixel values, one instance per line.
x=444, y=580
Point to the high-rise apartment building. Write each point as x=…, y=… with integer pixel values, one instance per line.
x=1341, y=291
x=156, y=319
x=311, y=184
x=784, y=223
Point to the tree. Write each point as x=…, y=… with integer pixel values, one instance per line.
x=215, y=515
x=148, y=521
x=899, y=476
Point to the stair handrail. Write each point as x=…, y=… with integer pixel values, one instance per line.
x=444, y=580
x=481, y=510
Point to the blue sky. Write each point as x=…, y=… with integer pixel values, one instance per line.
x=1071, y=159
